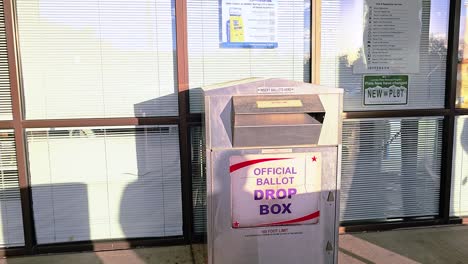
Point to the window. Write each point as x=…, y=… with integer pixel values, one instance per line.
x=210, y=64
x=11, y=218
x=459, y=204
x=342, y=45
x=390, y=168
x=105, y=182
x=198, y=180
x=462, y=84
x=5, y=92
x=106, y=58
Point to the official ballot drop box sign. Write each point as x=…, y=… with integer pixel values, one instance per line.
x=273, y=150
x=272, y=190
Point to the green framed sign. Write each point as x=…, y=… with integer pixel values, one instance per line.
x=385, y=89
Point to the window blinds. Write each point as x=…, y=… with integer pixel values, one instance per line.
x=11, y=219
x=210, y=64
x=97, y=58
x=459, y=204
x=342, y=33
x=198, y=180
x=105, y=183
x=391, y=168
x=5, y=92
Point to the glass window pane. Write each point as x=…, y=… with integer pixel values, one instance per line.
x=105, y=182
x=5, y=92
x=342, y=50
x=391, y=168
x=459, y=201
x=97, y=58
x=198, y=180
x=462, y=80
x=209, y=63
x=11, y=217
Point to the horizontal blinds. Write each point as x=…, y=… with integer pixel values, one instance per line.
x=391, y=168
x=459, y=199
x=342, y=33
x=198, y=180
x=210, y=64
x=11, y=219
x=5, y=92
x=105, y=183
x=97, y=58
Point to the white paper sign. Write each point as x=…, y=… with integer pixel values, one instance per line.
x=275, y=90
x=248, y=23
x=272, y=190
x=392, y=33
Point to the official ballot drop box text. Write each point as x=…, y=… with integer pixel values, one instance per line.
x=273, y=173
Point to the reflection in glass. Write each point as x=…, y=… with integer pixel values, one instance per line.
x=459, y=193
x=462, y=77
x=342, y=42
x=390, y=168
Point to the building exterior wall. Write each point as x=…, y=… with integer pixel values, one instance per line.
x=100, y=117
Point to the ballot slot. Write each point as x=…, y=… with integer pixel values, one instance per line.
x=276, y=120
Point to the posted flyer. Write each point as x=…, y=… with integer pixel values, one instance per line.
x=248, y=23
x=391, y=41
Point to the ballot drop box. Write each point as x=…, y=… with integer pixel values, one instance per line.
x=273, y=171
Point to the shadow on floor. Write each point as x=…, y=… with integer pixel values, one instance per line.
x=160, y=255
x=444, y=245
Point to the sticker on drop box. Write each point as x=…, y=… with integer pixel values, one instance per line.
x=276, y=90
x=279, y=103
x=386, y=89
x=275, y=189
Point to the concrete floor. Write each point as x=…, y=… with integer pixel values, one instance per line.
x=445, y=245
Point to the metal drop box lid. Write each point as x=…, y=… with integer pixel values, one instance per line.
x=272, y=113
x=276, y=120
x=269, y=104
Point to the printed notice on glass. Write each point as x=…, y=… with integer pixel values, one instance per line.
x=248, y=24
x=386, y=90
x=392, y=32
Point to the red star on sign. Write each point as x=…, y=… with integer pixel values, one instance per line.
x=235, y=224
x=314, y=158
